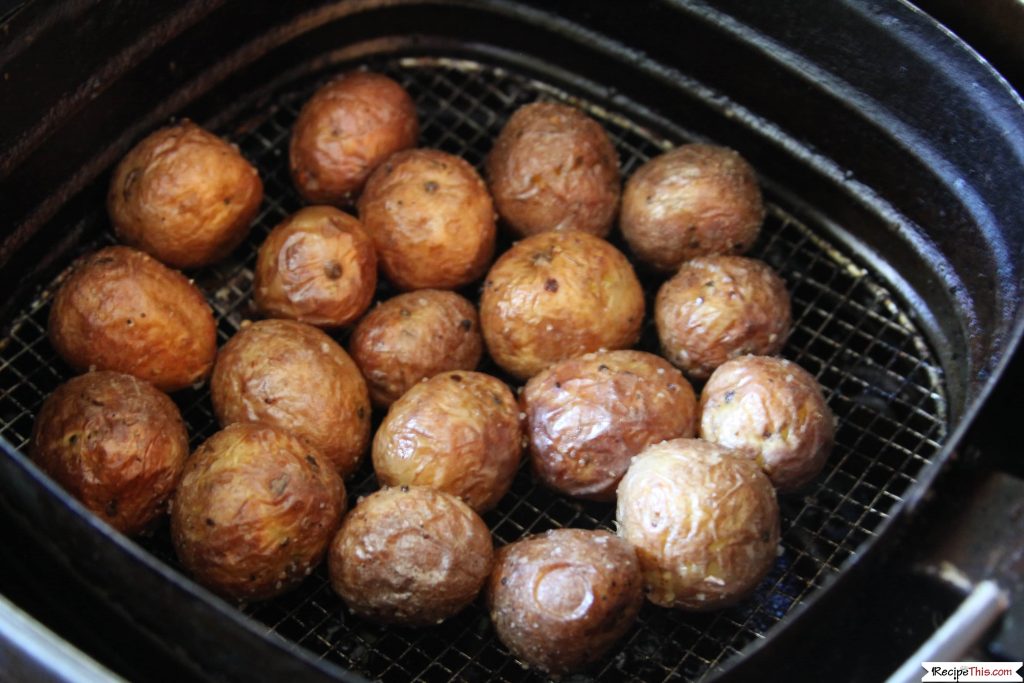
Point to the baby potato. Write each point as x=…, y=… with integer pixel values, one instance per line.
x=115, y=443
x=694, y=200
x=346, y=130
x=721, y=307
x=255, y=511
x=553, y=167
x=457, y=432
x=411, y=556
x=184, y=195
x=319, y=267
x=704, y=521
x=293, y=376
x=560, y=600
x=557, y=295
x=122, y=310
x=587, y=417
x=772, y=410
x=431, y=219
x=412, y=337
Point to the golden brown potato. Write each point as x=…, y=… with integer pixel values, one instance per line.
x=346, y=130
x=415, y=336
x=293, y=376
x=773, y=410
x=554, y=168
x=431, y=219
x=557, y=295
x=587, y=417
x=184, y=195
x=123, y=310
x=457, y=432
x=255, y=511
x=319, y=267
x=695, y=200
x=411, y=556
x=115, y=443
x=560, y=600
x=704, y=522
x=721, y=307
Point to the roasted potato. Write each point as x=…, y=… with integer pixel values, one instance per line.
x=587, y=417
x=695, y=200
x=704, y=521
x=346, y=130
x=319, y=267
x=412, y=337
x=115, y=443
x=560, y=600
x=184, y=195
x=773, y=410
x=293, y=376
x=411, y=556
x=557, y=295
x=255, y=511
x=721, y=307
x=120, y=309
x=554, y=168
x=457, y=432
x=431, y=219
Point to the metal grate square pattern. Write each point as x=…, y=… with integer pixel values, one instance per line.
x=880, y=378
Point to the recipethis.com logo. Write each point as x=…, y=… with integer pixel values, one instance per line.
x=971, y=671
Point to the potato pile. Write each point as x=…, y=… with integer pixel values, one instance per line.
x=693, y=477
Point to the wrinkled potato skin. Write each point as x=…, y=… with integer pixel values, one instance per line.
x=560, y=600
x=115, y=443
x=457, y=432
x=411, y=556
x=413, y=337
x=255, y=512
x=553, y=167
x=557, y=295
x=721, y=307
x=122, y=310
x=293, y=376
x=346, y=130
x=587, y=417
x=704, y=521
x=773, y=410
x=319, y=267
x=185, y=196
x=431, y=219
x=695, y=200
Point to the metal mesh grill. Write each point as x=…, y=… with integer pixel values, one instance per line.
x=879, y=377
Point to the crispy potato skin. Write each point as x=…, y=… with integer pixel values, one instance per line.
x=457, y=432
x=346, y=130
x=773, y=410
x=411, y=556
x=122, y=310
x=255, y=511
x=293, y=376
x=560, y=600
x=691, y=201
x=704, y=521
x=184, y=195
x=721, y=307
x=412, y=337
x=587, y=417
x=431, y=219
x=557, y=295
x=115, y=443
x=553, y=167
x=319, y=267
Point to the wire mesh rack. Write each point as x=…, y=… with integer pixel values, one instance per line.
x=879, y=376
